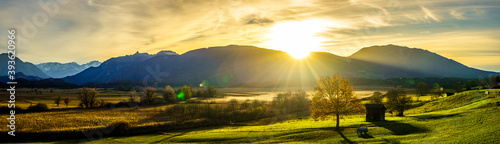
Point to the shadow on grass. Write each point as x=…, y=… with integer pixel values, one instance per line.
x=434, y=117
x=251, y=136
x=346, y=140
x=167, y=138
x=400, y=128
x=366, y=136
x=392, y=141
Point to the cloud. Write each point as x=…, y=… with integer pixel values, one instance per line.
x=85, y=30
x=457, y=14
x=429, y=14
x=425, y=32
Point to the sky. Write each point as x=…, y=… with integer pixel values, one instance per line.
x=84, y=30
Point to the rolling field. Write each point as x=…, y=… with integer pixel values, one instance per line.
x=475, y=122
x=469, y=116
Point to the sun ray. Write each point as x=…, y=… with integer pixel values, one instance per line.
x=297, y=38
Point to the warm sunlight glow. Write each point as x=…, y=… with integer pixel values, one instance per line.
x=297, y=38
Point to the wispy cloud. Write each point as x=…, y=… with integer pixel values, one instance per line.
x=457, y=14
x=429, y=14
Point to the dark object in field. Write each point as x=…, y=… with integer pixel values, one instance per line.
x=126, y=104
x=360, y=131
x=449, y=94
x=39, y=107
x=375, y=112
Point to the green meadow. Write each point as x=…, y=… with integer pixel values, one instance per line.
x=467, y=117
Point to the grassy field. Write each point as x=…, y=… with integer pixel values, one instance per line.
x=27, y=97
x=470, y=116
x=474, y=122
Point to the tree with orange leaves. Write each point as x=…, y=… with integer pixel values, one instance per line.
x=334, y=96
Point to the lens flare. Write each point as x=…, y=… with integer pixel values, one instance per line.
x=180, y=95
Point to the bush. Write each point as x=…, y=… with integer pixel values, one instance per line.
x=126, y=104
x=40, y=107
x=57, y=101
x=184, y=93
x=398, y=101
x=132, y=96
x=120, y=125
x=376, y=98
x=291, y=101
x=422, y=89
x=88, y=97
x=199, y=93
x=102, y=103
x=223, y=113
x=149, y=95
x=66, y=101
x=169, y=95
x=211, y=92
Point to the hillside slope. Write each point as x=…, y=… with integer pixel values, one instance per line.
x=475, y=122
x=418, y=60
x=235, y=65
x=107, y=69
x=26, y=68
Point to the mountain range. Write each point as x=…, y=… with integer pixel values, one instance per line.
x=26, y=68
x=60, y=70
x=240, y=65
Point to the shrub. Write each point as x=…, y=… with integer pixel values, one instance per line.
x=40, y=107
x=149, y=95
x=398, y=101
x=66, y=101
x=222, y=113
x=57, y=101
x=291, y=101
x=102, y=103
x=458, y=87
x=126, y=104
x=232, y=105
x=199, y=93
x=422, y=89
x=376, y=98
x=245, y=105
x=88, y=97
x=211, y=92
x=169, y=95
x=132, y=96
x=120, y=125
x=184, y=93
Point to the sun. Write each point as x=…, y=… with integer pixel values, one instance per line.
x=297, y=38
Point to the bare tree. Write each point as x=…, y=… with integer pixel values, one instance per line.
x=88, y=97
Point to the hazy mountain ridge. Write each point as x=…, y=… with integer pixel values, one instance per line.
x=230, y=65
x=418, y=60
x=26, y=68
x=112, y=66
x=60, y=70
